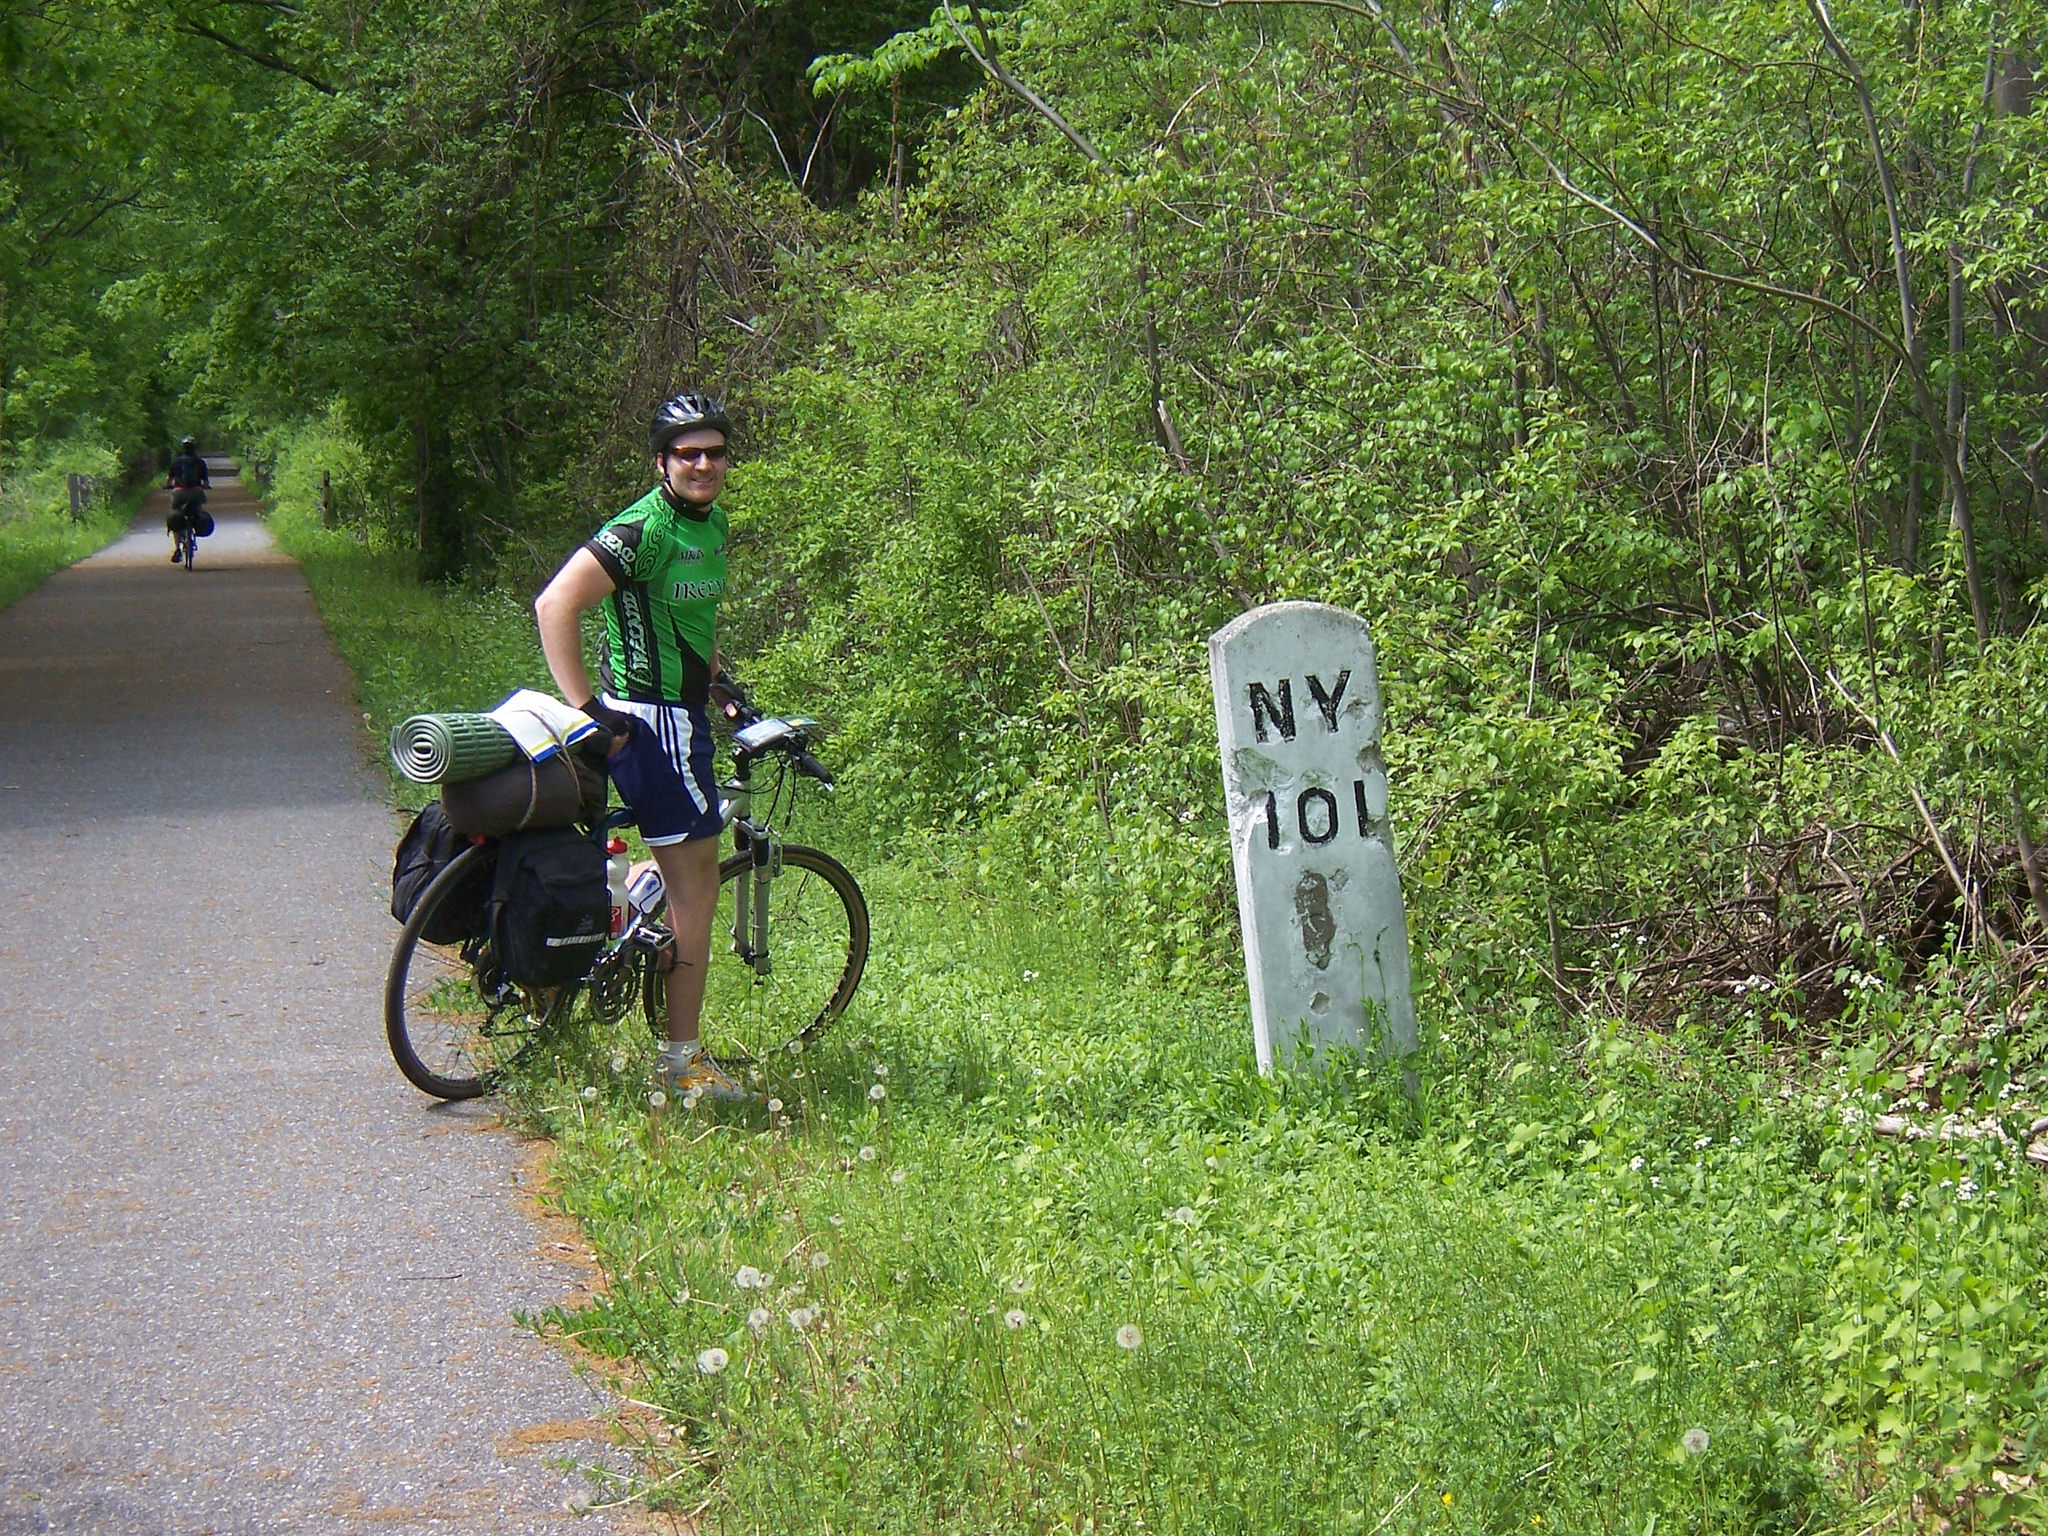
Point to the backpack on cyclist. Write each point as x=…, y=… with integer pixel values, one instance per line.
x=550, y=908
x=429, y=846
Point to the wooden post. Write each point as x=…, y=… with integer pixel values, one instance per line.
x=326, y=499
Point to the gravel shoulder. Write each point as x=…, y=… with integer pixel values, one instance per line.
x=250, y=1281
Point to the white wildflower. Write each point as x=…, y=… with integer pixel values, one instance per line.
x=783, y=1122
x=1635, y=1164
x=1130, y=1336
x=1031, y=975
x=1702, y=1142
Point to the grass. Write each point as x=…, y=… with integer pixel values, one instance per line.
x=40, y=542
x=1579, y=1281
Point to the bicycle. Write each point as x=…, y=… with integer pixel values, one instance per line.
x=796, y=920
x=184, y=525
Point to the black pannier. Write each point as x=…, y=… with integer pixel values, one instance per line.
x=429, y=846
x=550, y=906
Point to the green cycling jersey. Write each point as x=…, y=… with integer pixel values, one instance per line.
x=668, y=567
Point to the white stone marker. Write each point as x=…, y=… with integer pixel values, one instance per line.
x=1325, y=941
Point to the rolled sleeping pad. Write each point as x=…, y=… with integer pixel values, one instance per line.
x=448, y=748
x=558, y=792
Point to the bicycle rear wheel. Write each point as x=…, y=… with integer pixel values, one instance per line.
x=449, y=1032
x=817, y=949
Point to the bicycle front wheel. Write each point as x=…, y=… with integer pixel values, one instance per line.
x=817, y=947
x=448, y=1032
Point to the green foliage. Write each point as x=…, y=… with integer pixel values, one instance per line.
x=38, y=535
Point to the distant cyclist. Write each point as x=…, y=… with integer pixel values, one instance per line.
x=658, y=570
x=188, y=483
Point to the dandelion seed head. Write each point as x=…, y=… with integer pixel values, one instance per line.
x=690, y=1099
x=657, y=1100
x=783, y=1122
x=590, y=1094
x=796, y=1047
x=901, y=1277
x=775, y=1106
x=878, y=1093
x=820, y=1259
x=899, y=1175
x=1185, y=1215
x=750, y=1279
x=1015, y=1318
x=758, y=1319
x=1695, y=1442
x=618, y=1063
x=1130, y=1336
x=712, y=1361
x=801, y=1318
x=881, y=1069
x=1020, y=1285
x=866, y=1154
x=836, y=1219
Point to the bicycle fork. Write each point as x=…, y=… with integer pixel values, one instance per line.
x=750, y=893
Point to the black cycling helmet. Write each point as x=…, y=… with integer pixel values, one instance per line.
x=686, y=412
x=188, y=443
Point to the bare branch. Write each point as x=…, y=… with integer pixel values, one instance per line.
x=258, y=56
x=990, y=63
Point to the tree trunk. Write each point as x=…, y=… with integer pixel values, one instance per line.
x=440, y=507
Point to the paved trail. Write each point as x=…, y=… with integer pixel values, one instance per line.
x=249, y=1280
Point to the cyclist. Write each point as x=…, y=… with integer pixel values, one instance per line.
x=188, y=483
x=659, y=570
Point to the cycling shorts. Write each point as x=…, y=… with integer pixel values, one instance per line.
x=664, y=772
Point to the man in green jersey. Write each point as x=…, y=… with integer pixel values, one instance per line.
x=659, y=570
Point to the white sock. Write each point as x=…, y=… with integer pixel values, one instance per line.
x=678, y=1054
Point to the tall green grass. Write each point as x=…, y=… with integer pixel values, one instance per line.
x=1578, y=1280
x=38, y=535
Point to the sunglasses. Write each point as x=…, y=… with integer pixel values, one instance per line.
x=716, y=454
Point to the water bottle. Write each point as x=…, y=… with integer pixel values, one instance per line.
x=615, y=867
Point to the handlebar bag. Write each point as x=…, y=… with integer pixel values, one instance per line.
x=429, y=846
x=550, y=906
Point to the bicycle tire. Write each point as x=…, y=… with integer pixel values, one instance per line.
x=446, y=1037
x=817, y=949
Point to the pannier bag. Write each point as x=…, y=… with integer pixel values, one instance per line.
x=429, y=846
x=551, y=907
x=202, y=522
x=525, y=795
